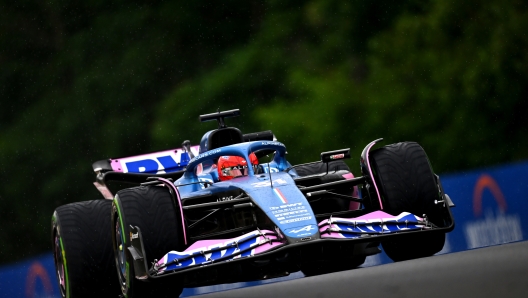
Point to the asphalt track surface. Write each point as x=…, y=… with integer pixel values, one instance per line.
x=498, y=271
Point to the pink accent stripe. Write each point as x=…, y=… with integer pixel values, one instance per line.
x=267, y=246
x=280, y=195
x=352, y=205
x=169, y=184
x=331, y=235
x=205, y=244
x=375, y=215
x=348, y=176
x=371, y=176
x=103, y=189
x=116, y=165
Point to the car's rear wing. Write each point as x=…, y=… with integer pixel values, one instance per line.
x=136, y=169
x=161, y=162
x=166, y=164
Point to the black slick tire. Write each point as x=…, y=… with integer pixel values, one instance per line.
x=153, y=210
x=406, y=183
x=82, y=249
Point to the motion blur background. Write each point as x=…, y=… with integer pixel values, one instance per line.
x=82, y=81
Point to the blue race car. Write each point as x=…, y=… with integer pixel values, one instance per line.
x=234, y=209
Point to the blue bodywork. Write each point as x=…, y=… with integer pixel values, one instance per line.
x=273, y=191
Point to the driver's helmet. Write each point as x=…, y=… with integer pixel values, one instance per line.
x=230, y=167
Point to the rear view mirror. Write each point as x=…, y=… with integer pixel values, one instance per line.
x=335, y=155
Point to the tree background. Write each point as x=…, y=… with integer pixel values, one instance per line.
x=82, y=81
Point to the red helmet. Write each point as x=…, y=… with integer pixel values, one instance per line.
x=230, y=167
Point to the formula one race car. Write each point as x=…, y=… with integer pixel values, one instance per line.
x=234, y=209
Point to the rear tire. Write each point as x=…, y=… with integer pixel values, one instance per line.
x=82, y=250
x=406, y=183
x=152, y=209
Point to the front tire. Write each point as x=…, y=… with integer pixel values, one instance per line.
x=82, y=250
x=406, y=183
x=152, y=209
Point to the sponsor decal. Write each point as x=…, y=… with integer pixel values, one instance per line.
x=290, y=212
x=285, y=206
x=198, y=257
x=268, y=169
x=291, y=205
x=308, y=228
x=296, y=219
x=337, y=156
x=487, y=182
x=497, y=226
x=225, y=199
x=273, y=143
x=155, y=163
x=493, y=230
x=133, y=236
x=226, y=250
x=37, y=274
x=205, y=154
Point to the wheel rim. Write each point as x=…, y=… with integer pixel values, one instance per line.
x=59, y=264
x=120, y=249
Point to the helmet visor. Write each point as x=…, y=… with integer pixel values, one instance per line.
x=235, y=171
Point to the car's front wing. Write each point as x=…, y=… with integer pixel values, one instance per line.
x=377, y=222
x=260, y=242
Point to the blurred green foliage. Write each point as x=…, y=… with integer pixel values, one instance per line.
x=87, y=80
